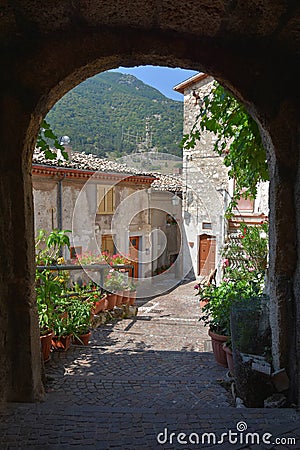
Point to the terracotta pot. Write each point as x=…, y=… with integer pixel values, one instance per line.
x=111, y=301
x=100, y=305
x=46, y=345
x=83, y=339
x=63, y=343
x=203, y=303
x=126, y=295
x=132, y=298
x=229, y=358
x=119, y=298
x=217, y=341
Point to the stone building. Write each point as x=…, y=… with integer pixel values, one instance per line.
x=252, y=48
x=207, y=189
x=108, y=207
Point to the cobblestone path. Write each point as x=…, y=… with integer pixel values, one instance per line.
x=140, y=378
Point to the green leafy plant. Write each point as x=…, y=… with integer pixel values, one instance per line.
x=216, y=313
x=48, y=246
x=131, y=285
x=117, y=259
x=114, y=281
x=246, y=254
x=244, y=268
x=238, y=140
x=79, y=313
x=48, y=292
x=50, y=285
x=88, y=258
x=45, y=137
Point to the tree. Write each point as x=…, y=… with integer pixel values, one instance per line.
x=238, y=140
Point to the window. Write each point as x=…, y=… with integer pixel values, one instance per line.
x=105, y=199
x=206, y=226
x=245, y=204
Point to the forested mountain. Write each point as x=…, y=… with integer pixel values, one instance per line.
x=111, y=113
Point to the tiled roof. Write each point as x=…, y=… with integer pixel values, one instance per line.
x=171, y=183
x=83, y=161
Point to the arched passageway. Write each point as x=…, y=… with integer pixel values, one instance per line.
x=48, y=49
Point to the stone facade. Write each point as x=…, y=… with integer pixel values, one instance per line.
x=65, y=197
x=207, y=188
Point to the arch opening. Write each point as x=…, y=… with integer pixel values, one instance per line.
x=44, y=74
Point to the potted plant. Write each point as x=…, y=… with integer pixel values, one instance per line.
x=216, y=313
x=113, y=284
x=79, y=313
x=132, y=292
x=49, y=285
x=46, y=327
x=202, y=301
x=89, y=258
x=244, y=267
x=63, y=330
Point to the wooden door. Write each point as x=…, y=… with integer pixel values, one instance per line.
x=134, y=243
x=206, y=254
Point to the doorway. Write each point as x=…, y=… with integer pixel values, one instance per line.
x=134, y=245
x=206, y=254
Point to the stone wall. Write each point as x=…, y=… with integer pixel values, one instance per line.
x=205, y=180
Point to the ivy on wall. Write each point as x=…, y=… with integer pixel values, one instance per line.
x=238, y=140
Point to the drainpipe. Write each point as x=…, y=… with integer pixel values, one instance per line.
x=59, y=202
x=59, y=207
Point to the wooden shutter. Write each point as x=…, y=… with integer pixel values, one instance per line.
x=105, y=199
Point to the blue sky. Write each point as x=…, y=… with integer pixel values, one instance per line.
x=161, y=78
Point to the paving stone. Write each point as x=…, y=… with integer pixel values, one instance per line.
x=138, y=377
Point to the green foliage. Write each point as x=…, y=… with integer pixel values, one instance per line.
x=95, y=113
x=238, y=140
x=48, y=142
x=115, y=281
x=131, y=286
x=246, y=255
x=48, y=246
x=50, y=284
x=222, y=298
x=244, y=268
x=73, y=316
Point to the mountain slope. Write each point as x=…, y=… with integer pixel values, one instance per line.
x=110, y=113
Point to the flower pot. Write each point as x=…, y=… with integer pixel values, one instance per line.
x=100, y=305
x=229, y=359
x=119, y=300
x=132, y=298
x=63, y=343
x=126, y=297
x=82, y=339
x=111, y=301
x=46, y=345
x=203, y=302
x=217, y=341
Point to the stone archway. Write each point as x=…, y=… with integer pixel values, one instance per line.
x=48, y=49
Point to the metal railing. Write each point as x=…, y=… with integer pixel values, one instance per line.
x=95, y=267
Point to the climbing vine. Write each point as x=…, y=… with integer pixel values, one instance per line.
x=44, y=140
x=238, y=140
